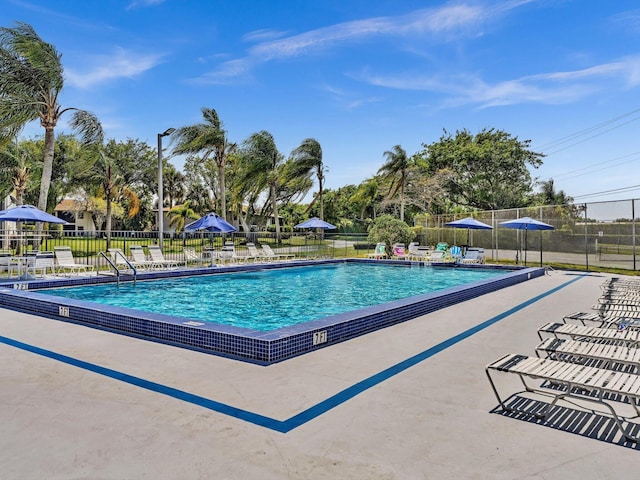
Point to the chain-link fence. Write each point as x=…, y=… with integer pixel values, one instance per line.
x=601, y=234
x=585, y=235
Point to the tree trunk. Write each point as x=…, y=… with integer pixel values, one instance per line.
x=223, y=193
x=275, y=212
x=321, y=210
x=47, y=168
x=108, y=226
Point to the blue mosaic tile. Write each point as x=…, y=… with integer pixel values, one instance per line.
x=249, y=345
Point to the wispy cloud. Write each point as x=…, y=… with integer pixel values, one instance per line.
x=52, y=13
x=263, y=35
x=550, y=88
x=122, y=64
x=143, y=4
x=629, y=20
x=347, y=100
x=442, y=23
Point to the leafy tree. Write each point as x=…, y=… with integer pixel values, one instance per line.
x=339, y=208
x=199, y=198
x=549, y=196
x=180, y=214
x=210, y=140
x=109, y=176
x=308, y=156
x=294, y=181
x=425, y=191
x=105, y=174
x=137, y=169
x=263, y=165
x=366, y=196
x=10, y=160
x=488, y=171
x=389, y=230
x=395, y=170
x=173, y=184
x=31, y=80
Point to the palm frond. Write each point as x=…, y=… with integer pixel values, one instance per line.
x=87, y=125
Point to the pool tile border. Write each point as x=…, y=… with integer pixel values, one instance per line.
x=254, y=346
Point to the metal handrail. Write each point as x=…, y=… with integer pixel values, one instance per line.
x=115, y=267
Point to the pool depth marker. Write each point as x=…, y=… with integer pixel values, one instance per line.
x=305, y=416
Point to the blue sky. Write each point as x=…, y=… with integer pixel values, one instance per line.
x=364, y=75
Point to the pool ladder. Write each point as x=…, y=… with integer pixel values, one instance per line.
x=115, y=268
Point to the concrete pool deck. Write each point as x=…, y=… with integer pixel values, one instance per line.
x=409, y=401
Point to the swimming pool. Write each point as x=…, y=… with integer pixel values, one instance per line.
x=267, y=300
x=249, y=344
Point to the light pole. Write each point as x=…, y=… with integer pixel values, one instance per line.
x=168, y=131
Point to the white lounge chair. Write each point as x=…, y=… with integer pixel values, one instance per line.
x=579, y=382
x=191, y=256
x=379, y=252
x=158, y=258
x=607, y=355
x=279, y=256
x=228, y=254
x=438, y=256
x=5, y=260
x=123, y=263
x=254, y=253
x=140, y=260
x=65, y=262
x=628, y=337
x=472, y=256
x=29, y=266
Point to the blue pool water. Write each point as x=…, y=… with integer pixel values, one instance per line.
x=271, y=299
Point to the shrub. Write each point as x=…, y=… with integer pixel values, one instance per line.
x=389, y=230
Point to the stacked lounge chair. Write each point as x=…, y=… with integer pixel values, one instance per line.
x=586, y=358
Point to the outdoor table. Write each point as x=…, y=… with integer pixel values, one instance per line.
x=23, y=262
x=212, y=254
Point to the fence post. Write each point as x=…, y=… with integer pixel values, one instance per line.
x=586, y=239
x=633, y=232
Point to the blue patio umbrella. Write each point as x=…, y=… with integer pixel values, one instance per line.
x=315, y=222
x=526, y=224
x=470, y=224
x=212, y=223
x=28, y=213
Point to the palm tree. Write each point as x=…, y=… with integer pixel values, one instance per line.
x=263, y=165
x=365, y=196
x=549, y=196
x=105, y=175
x=173, y=185
x=309, y=157
x=179, y=215
x=199, y=197
x=209, y=140
x=30, y=84
x=397, y=163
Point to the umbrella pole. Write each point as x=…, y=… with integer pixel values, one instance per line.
x=540, y=247
x=525, y=247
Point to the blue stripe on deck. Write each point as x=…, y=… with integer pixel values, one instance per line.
x=303, y=417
